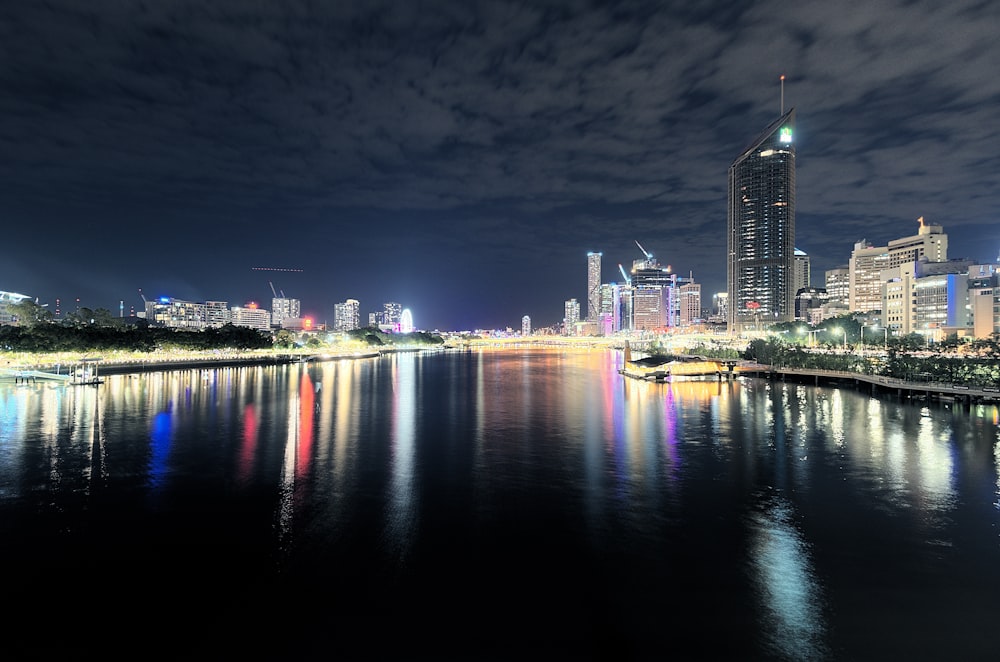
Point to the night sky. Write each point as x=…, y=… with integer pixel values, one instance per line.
x=461, y=158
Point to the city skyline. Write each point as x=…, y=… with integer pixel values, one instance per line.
x=463, y=158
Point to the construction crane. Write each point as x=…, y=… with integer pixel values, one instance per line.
x=628, y=281
x=275, y=269
x=649, y=256
x=143, y=296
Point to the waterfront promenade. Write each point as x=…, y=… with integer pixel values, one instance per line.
x=877, y=383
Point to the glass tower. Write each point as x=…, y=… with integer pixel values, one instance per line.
x=761, y=230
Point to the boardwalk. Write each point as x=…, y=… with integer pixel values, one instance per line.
x=934, y=390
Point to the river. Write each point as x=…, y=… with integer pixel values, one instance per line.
x=506, y=504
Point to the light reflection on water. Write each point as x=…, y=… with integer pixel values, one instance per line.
x=538, y=463
x=789, y=593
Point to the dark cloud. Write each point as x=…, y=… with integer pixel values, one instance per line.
x=468, y=154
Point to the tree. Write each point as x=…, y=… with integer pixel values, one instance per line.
x=29, y=313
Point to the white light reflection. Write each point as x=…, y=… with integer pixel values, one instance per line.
x=400, y=517
x=787, y=587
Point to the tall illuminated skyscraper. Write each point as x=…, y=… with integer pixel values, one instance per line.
x=760, y=228
x=593, y=286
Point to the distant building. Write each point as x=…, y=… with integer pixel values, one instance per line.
x=593, y=286
x=251, y=315
x=761, y=229
x=525, y=326
x=720, y=306
x=984, y=299
x=808, y=304
x=392, y=313
x=689, y=302
x=217, y=313
x=838, y=285
x=177, y=313
x=283, y=308
x=571, y=316
x=802, y=277
x=346, y=315
x=866, y=267
x=868, y=261
x=610, y=316
x=927, y=298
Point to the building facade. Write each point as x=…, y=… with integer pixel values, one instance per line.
x=283, y=308
x=346, y=315
x=251, y=315
x=760, y=237
x=802, y=277
x=571, y=316
x=868, y=262
x=838, y=285
x=689, y=303
x=593, y=286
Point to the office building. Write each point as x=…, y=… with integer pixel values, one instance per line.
x=868, y=261
x=593, y=286
x=838, y=285
x=760, y=223
x=802, y=276
x=689, y=303
x=525, y=326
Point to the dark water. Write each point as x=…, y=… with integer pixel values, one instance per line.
x=505, y=505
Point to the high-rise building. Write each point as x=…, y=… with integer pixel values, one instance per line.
x=761, y=229
x=346, y=316
x=572, y=316
x=802, y=277
x=593, y=286
x=283, y=308
x=392, y=313
x=689, y=302
x=525, y=326
x=611, y=303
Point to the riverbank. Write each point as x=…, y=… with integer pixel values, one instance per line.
x=119, y=363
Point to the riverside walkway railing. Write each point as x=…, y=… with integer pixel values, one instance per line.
x=927, y=388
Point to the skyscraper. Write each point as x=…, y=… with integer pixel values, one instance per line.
x=760, y=228
x=593, y=286
x=572, y=308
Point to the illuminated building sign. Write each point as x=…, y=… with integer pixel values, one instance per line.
x=785, y=135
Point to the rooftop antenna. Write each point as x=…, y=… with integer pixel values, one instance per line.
x=782, y=94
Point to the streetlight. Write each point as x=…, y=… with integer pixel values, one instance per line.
x=834, y=332
x=873, y=327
